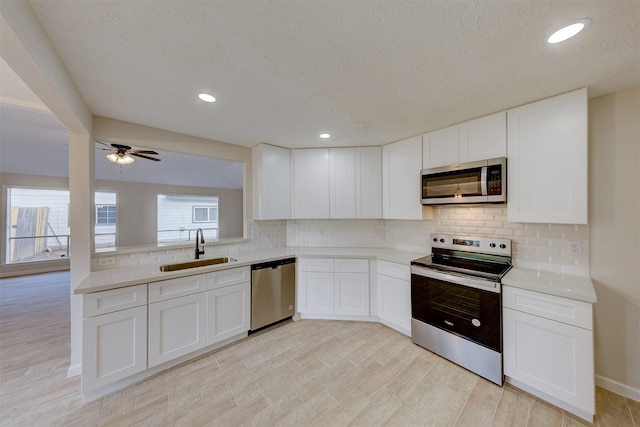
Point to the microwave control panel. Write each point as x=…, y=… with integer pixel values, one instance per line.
x=494, y=180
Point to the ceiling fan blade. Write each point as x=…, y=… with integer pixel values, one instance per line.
x=104, y=143
x=143, y=156
x=143, y=152
x=121, y=147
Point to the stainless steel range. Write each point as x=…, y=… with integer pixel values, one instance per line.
x=456, y=301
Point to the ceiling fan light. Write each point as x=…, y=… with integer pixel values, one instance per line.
x=121, y=159
x=125, y=160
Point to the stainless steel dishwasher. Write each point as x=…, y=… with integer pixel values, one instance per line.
x=273, y=292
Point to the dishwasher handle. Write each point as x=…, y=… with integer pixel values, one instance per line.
x=273, y=264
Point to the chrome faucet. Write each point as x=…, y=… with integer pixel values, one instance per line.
x=198, y=250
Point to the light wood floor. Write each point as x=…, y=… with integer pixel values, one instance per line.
x=318, y=373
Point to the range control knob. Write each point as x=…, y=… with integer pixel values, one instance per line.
x=435, y=239
x=492, y=245
x=441, y=240
x=503, y=246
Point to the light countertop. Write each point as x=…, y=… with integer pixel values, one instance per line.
x=562, y=285
x=114, y=278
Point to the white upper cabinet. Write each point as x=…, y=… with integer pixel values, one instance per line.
x=440, y=147
x=547, y=167
x=311, y=183
x=479, y=139
x=337, y=183
x=369, y=182
x=271, y=182
x=483, y=138
x=401, y=164
x=342, y=178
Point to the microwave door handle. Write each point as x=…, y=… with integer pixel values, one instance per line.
x=483, y=180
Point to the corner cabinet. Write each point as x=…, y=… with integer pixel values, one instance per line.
x=329, y=287
x=271, y=182
x=548, y=348
x=547, y=167
x=401, y=165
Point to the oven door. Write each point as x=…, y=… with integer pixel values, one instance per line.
x=472, y=313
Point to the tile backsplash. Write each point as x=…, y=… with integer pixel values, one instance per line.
x=536, y=246
x=560, y=248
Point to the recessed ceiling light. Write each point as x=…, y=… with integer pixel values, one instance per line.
x=569, y=31
x=325, y=135
x=206, y=97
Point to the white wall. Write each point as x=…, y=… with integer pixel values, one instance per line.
x=614, y=212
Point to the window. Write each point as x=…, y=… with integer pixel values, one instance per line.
x=105, y=214
x=38, y=224
x=205, y=214
x=180, y=215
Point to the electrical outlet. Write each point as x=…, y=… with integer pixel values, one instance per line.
x=575, y=247
x=106, y=261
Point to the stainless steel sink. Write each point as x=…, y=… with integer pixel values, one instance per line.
x=196, y=263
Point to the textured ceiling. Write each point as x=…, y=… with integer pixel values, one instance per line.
x=369, y=72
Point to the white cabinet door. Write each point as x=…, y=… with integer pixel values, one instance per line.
x=401, y=165
x=550, y=356
x=173, y=288
x=311, y=183
x=547, y=168
x=440, y=147
x=394, y=303
x=271, y=182
x=342, y=163
x=177, y=327
x=352, y=293
x=316, y=292
x=483, y=138
x=228, y=312
x=114, y=346
x=369, y=182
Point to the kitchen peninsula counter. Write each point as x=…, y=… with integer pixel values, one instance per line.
x=120, y=277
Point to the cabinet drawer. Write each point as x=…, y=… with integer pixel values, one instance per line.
x=173, y=288
x=114, y=300
x=392, y=269
x=220, y=279
x=564, y=310
x=316, y=264
x=348, y=265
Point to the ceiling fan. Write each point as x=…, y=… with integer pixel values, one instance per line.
x=121, y=154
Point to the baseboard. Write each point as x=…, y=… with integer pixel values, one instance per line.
x=74, y=370
x=618, y=388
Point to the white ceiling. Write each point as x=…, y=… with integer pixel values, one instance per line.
x=369, y=72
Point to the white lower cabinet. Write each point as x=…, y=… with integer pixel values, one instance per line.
x=114, y=336
x=228, y=312
x=329, y=286
x=177, y=327
x=394, y=296
x=546, y=356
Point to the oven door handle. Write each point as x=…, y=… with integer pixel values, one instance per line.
x=485, y=285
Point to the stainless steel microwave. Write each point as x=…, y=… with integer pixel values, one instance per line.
x=476, y=182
